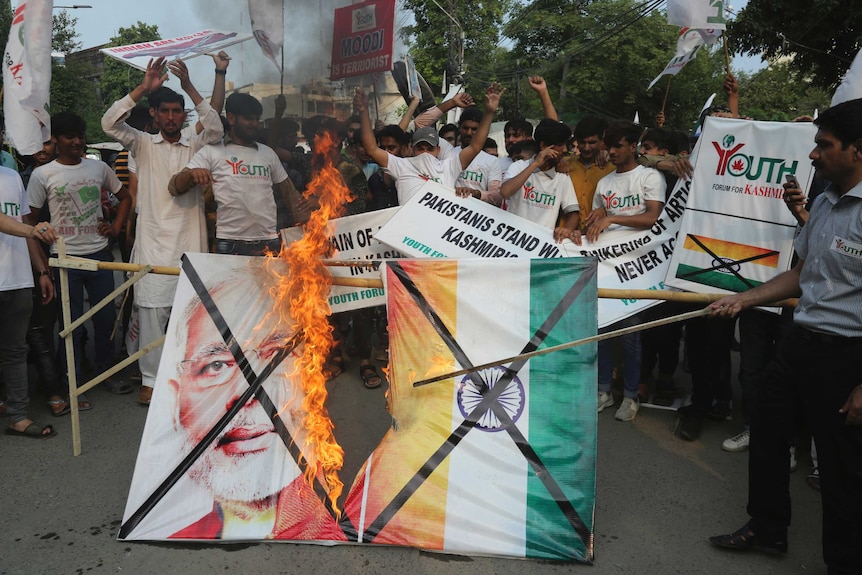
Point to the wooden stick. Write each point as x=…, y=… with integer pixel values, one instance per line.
x=93, y=265
x=122, y=365
x=105, y=301
x=120, y=315
x=666, y=92
x=70, y=351
x=726, y=53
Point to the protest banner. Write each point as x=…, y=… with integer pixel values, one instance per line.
x=362, y=39
x=738, y=232
x=27, y=77
x=183, y=47
x=225, y=444
x=438, y=224
x=353, y=239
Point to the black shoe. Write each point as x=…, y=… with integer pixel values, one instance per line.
x=689, y=424
x=720, y=411
x=744, y=539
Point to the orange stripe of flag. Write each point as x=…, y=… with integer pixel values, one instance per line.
x=733, y=250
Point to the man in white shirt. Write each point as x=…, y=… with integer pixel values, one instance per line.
x=167, y=226
x=631, y=196
x=243, y=174
x=535, y=190
x=411, y=173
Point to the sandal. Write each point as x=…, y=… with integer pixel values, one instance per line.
x=33, y=431
x=59, y=407
x=369, y=376
x=333, y=368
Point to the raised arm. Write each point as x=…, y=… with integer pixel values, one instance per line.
x=431, y=115
x=731, y=88
x=492, y=101
x=113, y=122
x=369, y=142
x=217, y=99
x=537, y=83
x=408, y=115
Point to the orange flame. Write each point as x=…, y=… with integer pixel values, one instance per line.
x=305, y=293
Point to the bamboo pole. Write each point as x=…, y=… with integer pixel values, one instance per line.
x=70, y=351
x=726, y=53
x=105, y=301
x=93, y=265
x=122, y=365
x=666, y=92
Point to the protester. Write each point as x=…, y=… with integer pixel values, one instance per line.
x=167, y=225
x=18, y=256
x=535, y=190
x=816, y=366
x=71, y=186
x=631, y=196
x=589, y=167
x=244, y=176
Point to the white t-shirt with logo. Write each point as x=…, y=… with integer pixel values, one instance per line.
x=14, y=257
x=244, y=177
x=74, y=196
x=626, y=194
x=411, y=173
x=542, y=196
x=483, y=170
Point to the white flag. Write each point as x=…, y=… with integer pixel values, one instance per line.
x=267, y=25
x=27, y=77
x=851, y=86
x=696, y=13
x=689, y=42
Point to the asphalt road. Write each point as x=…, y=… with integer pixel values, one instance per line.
x=658, y=499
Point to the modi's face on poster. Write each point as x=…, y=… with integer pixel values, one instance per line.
x=248, y=460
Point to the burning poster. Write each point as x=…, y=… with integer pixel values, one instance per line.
x=228, y=425
x=737, y=232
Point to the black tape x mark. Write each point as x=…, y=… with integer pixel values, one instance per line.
x=723, y=264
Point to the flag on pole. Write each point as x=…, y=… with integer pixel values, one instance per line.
x=696, y=13
x=687, y=46
x=27, y=77
x=267, y=25
x=851, y=86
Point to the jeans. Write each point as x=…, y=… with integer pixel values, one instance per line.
x=15, y=307
x=98, y=284
x=40, y=340
x=243, y=248
x=631, y=364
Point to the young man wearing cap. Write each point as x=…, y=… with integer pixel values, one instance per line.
x=243, y=174
x=411, y=173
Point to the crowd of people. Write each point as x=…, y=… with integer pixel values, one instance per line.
x=225, y=185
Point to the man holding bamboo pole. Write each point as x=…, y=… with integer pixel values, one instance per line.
x=816, y=365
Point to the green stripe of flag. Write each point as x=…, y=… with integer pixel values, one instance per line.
x=716, y=279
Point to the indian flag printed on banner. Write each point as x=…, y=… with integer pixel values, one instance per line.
x=726, y=265
x=500, y=462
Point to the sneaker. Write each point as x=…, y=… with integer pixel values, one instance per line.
x=793, y=463
x=628, y=410
x=605, y=400
x=737, y=442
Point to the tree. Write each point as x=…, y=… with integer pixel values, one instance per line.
x=434, y=39
x=779, y=93
x=600, y=56
x=118, y=79
x=820, y=36
x=69, y=90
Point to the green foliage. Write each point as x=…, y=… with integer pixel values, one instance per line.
x=779, y=93
x=821, y=36
x=118, y=79
x=64, y=38
x=434, y=38
x=598, y=57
